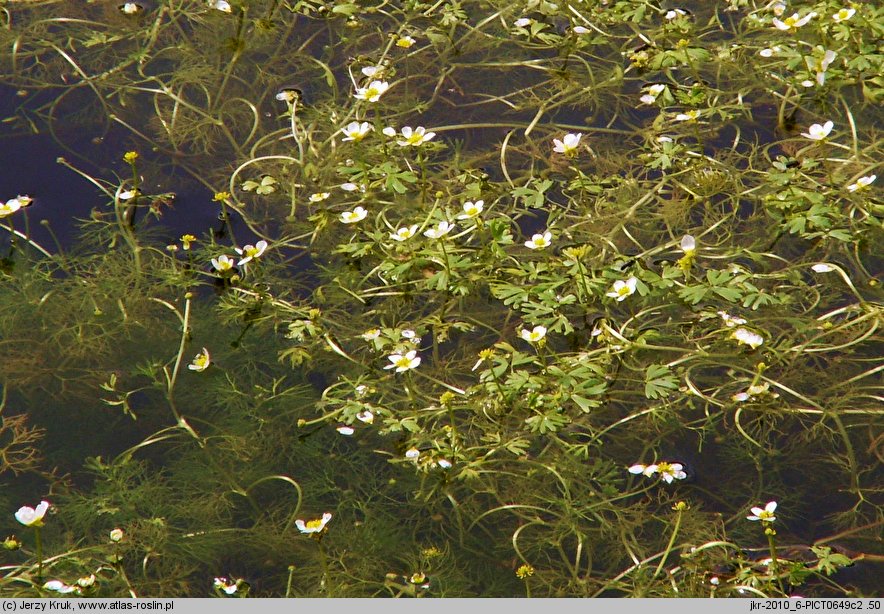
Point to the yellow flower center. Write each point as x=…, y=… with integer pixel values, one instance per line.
x=313, y=524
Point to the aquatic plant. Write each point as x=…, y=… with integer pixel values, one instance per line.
x=448, y=309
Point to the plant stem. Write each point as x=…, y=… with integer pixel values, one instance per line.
x=678, y=513
x=39, y=539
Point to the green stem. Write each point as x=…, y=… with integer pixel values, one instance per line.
x=288, y=584
x=39, y=539
x=774, y=563
x=326, y=583
x=672, y=537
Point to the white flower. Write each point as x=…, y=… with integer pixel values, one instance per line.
x=222, y=263
x=227, y=586
x=351, y=217
x=755, y=390
x=539, y=241
x=416, y=137
x=653, y=91
x=580, y=30
x=403, y=362
x=365, y=416
x=822, y=268
x=250, y=252
x=371, y=334
x=621, y=289
x=31, y=517
x=127, y=194
x=674, y=14
x=828, y=57
x=408, y=334
x=86, y=581
x=533, y=336
x=405, y=42
x=444, y=463
x=793, y=22
x=116, y=535
x=372, y=71
x=439, y=231
x=819, y=132
x=9, y=207
x=820, y=65
x=764, y=515
x=568, y=145
x=288, y=94
x=412, y=453
x=57, y=586
x=523, y=22
x=345, y=430
x=747, y=337
x=373, y=92
x=861, y=183
x=689, y=116
x=769, y=52
x=130, y=8
x=843, y=15
x=390, y=131
x=354, y=131
x=778, y=8
x=313, y=526
x=318, y=197
x=646, y=470
x=352, y=187
x=671, y=471
x=222, y=5
x=471, y=209
x=688, y=244
x=731, y=321
x=404, y=233
x=201, y=361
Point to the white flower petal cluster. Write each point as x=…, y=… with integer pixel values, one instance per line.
x=843, y=15
x=862, y=183
x=32, y=517
x=223, y=263
x=539, y=241
x=744, y=336
x=439, y=231
x=412, y=137
x=764, y=515
x=404, y=233
x=201, y=361
x=313, y=526
x=652, y=92
x=534, y=335
x=622, y=289
x=819, y=132
x=14, y=204
x=792, y=23
x=373, y=92
x=351, y=217
x=471, y=209
x=568, y=144
x=403, y=362
x=356, y=131
x=250, y=252
x=668, y=471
